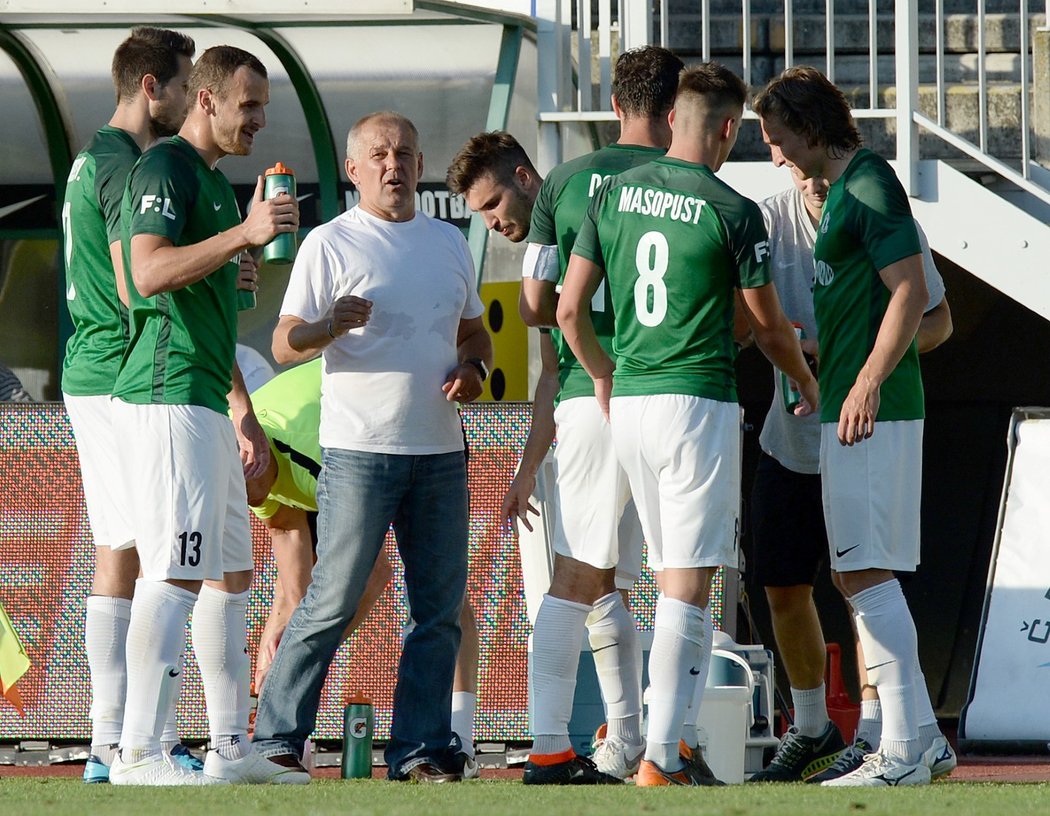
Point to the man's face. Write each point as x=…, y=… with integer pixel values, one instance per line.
x=505, y=208
x=386, y=168
x=814, y=191
x=168, y=111
x=789, y=148
x=240, y=111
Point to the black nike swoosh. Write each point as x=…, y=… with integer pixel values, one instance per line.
x=694, y=672
x=839, y=553
x=886, y=663
x=173, y=673
x=603, y=648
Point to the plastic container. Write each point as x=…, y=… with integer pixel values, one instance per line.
x=358, y=722
x=281, y=250
x=725, y=716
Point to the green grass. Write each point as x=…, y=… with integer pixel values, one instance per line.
x=31, y=796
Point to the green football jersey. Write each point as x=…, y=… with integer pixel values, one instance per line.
x=675, y=243
x=288, y=408
x=866, y=226
x=556, y=217
x=90, y=223
x=182, y=343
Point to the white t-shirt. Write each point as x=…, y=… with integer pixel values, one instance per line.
x=795, y=441
x=381, y=383
x=254, y=368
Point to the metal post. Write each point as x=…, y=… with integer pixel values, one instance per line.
x=906, y=56
x=552, y=50
x=636, y=23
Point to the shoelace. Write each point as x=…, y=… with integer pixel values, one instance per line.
x=790, y=750
x=858, y=750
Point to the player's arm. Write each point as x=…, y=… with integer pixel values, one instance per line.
x=251, y=439
x=540, y=273
x=900, y=323
x=464, y=382
x=582, y=279
x=516, y=505
x=116, y=257
x=775, y=336
x=935, y=327
x=293, y=554
x=157, y=265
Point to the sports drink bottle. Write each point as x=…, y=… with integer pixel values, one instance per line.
x=358, y=721
x=279, y=179
x=789, y=388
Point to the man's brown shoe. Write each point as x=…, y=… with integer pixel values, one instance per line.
x=429, y=772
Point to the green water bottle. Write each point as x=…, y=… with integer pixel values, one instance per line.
x=281, y=250
x=358, y=721
x=788, y=387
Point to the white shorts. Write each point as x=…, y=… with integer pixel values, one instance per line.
x=596, y=522
x=872, y=495
x=185, y=486
x=682, y=455
x=92, y=421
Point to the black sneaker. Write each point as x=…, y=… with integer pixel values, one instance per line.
x=798, y=757
x=695, y=757
x=576, y=771
x=848, y=761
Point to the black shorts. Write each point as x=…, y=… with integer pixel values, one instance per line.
x=787, y=524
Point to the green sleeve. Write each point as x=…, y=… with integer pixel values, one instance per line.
x=542, y=230
x=110, y=180
x=162, y=191
x=588, y=243
x=883, y=218
x=749, y=244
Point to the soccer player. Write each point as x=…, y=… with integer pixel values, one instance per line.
x=787, y=517
x=283, y=497
x=182, y=237
x=597, y=536
x=672, y=244
x=868, y=299
x=150, y=70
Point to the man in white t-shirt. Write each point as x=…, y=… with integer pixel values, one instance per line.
x=789, y=534
x=388, y=296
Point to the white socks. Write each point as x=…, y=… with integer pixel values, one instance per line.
x=155, y=643
x=811, y=710
x=689, y=735
x=464, y=704
x=887, y=635
x=616, y=650
x=556, y=640
x=220, y=641
x=869, y=727
x=674, y=671
x=105, y=641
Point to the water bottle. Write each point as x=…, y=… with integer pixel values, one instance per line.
x=281, y=250
x=246, y=299
x=358, y=721
x=789, y=388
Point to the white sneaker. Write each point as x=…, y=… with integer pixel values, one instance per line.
x=939, y=758
x=615, y=757
x=471, y=768
x=880, y=770
x=157, y=770
x=254, y=769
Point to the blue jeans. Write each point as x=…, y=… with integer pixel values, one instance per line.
x=358, y=496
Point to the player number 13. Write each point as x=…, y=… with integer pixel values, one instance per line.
x=650, y=259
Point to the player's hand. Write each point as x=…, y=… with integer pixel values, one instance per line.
x=268, y=217
x=248, y=275
x=859, y=409
x=253, y=445
x=516, y=505
x=603, y=393
x=350, y=312
x=463, y=384
x=810, y=403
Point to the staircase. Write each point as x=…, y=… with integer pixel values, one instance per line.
x=948, y=87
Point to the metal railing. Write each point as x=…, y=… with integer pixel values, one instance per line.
x=935, y=52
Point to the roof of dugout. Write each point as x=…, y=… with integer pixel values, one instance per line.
x=453, y=69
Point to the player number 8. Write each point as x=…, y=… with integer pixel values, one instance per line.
x=650, y=258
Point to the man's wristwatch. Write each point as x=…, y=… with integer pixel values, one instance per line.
x=479, y=364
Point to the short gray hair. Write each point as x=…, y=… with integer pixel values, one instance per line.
x=387, y=116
